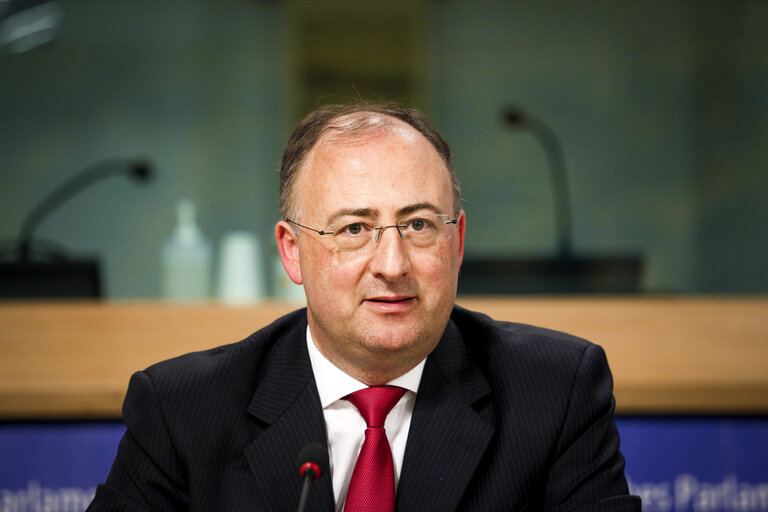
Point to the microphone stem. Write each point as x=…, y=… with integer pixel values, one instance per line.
x=308, y=477
x=58, y=196
x=562, y=200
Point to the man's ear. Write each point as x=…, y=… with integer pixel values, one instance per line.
x=288, y=246
x=462, y=228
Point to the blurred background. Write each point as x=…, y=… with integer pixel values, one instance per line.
x=660, y=109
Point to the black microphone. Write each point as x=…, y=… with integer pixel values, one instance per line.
x=313, y=461
x=139, y=170
x=517, y=118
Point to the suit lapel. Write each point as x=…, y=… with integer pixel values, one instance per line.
x=286, y=405
x=450, y=429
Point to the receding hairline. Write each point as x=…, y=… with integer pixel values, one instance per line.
x=334, y=124
x=359, y=128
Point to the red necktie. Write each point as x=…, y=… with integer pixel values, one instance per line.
x=372, y=486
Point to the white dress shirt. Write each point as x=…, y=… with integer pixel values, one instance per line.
x=345, y=426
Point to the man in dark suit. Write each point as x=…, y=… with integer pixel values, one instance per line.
x=486, y=415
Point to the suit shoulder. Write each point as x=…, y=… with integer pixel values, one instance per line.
x=531, y=365
x=517, y=339
x=221, y=362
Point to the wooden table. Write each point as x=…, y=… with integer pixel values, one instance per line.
x=700, y=355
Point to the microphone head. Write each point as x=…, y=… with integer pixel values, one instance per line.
x=313, y=457
x=513, y=116
x=141, y=170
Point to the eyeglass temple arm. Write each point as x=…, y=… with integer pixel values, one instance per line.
x=318, y=231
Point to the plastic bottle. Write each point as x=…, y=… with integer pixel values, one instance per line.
x=186, y=259
x=241, y=277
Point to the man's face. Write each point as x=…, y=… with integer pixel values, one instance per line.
x=374, y=313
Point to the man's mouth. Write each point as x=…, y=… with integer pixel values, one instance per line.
x=390, y=299
x=391, y=304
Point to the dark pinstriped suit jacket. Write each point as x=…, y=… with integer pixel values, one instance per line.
x=508, y=417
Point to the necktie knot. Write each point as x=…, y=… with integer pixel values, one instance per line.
x=375, y=402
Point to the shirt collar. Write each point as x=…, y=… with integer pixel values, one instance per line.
x=333, y=384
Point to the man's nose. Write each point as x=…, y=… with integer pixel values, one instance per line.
x=390, y=258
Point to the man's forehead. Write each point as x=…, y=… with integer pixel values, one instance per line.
x=353, y=153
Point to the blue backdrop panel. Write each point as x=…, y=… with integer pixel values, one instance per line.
x=54, y=466
x=697, y=463
x=673, y=463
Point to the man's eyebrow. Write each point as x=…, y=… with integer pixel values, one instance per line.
x=407, y=210
x=353, y=212
x=373, y=213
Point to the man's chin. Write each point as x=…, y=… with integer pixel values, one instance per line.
x=402, y=332
x=392, y=337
